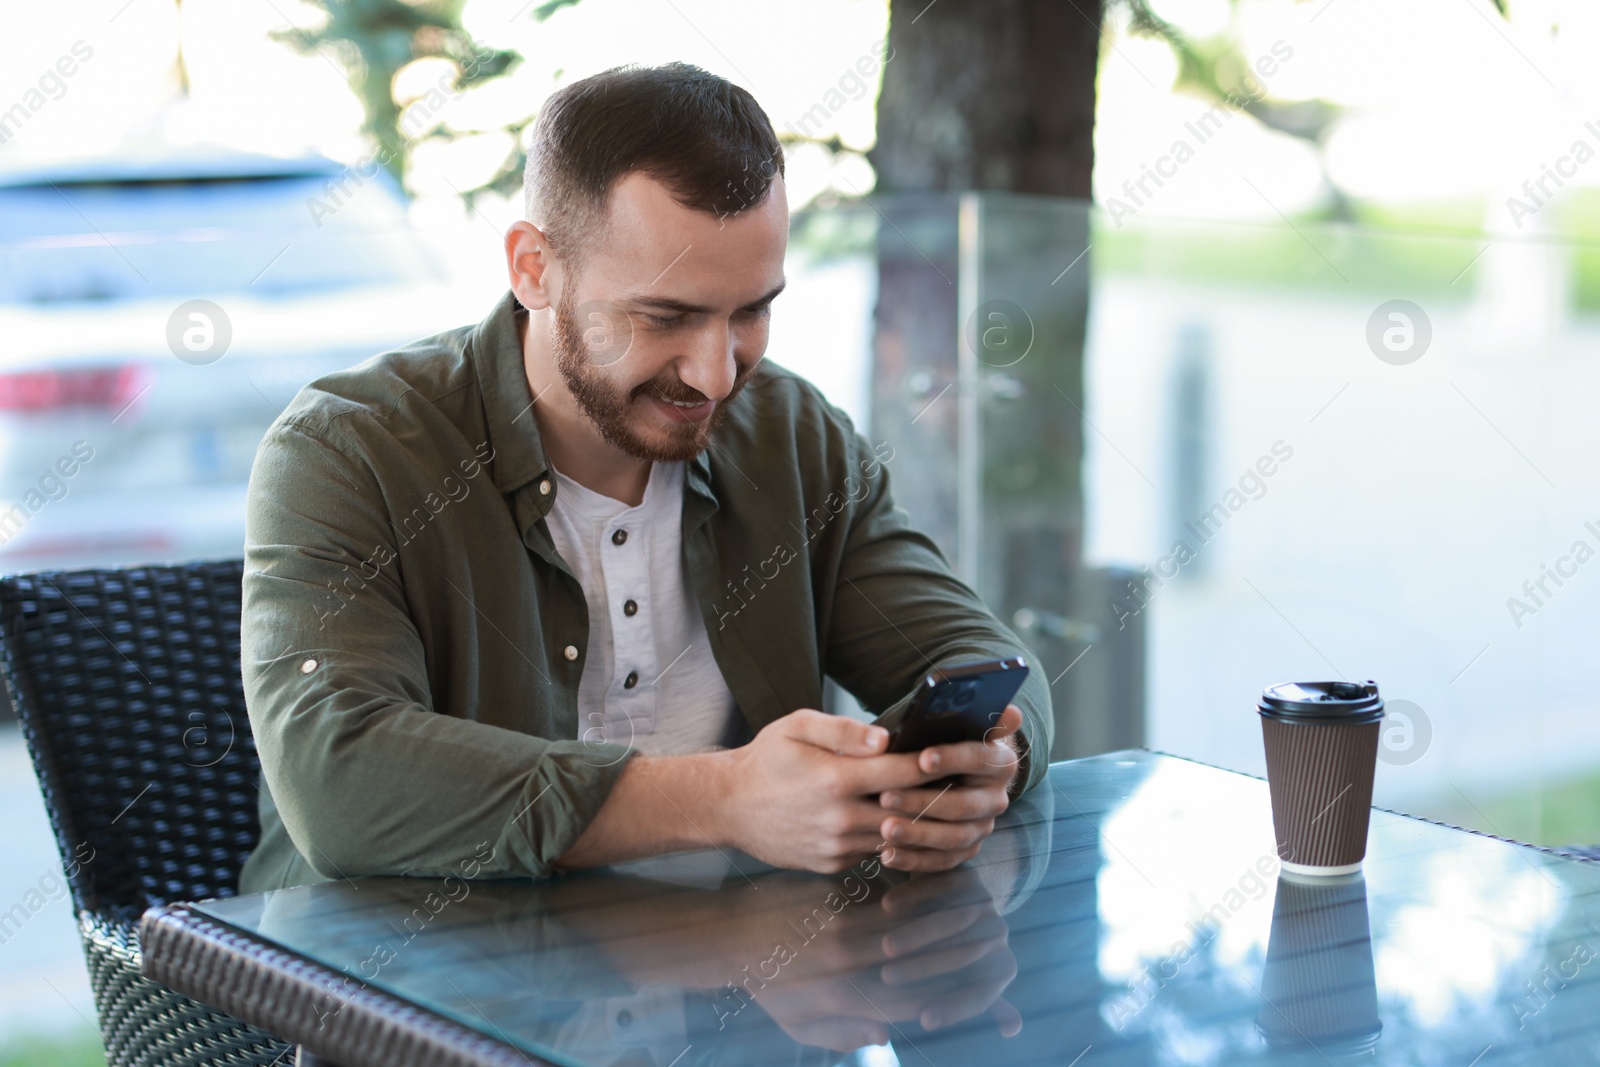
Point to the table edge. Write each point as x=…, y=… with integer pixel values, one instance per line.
x=305, y=1002
x=1548, y=849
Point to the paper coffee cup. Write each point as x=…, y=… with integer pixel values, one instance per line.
x=1322, y=751
x=1319, y=993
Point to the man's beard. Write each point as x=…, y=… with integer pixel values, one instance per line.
x=611, y=409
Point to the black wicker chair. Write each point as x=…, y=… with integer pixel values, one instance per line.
x=127, y=687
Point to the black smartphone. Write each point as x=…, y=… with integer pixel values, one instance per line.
x=958, y=702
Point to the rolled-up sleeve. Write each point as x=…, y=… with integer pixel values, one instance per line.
x=899, y=611
x=368, y=776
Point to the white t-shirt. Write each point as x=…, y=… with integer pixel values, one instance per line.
x=649, y=679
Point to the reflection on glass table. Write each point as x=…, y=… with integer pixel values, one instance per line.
x=1130, y=911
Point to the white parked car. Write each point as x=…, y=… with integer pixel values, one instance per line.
x=129, y=416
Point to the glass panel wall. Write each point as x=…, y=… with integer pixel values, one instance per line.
x=1272, y=452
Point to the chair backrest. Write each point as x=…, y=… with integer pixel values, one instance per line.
x=127, y=686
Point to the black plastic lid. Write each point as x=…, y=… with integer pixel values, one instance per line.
x=1327, y=702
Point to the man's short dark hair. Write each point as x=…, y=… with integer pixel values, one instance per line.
x=704, y=138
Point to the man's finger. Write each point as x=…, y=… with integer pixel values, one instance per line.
x=956, y=804
x=938, y=962
x=993, y=755
x=836, y=733
x=870, y=776
x=1008, y=1018
x=902, y=858
x=900, y=831
x=924, y=896
x=993, y=759
x=919, y=932
x=983, y=982
x=1009, y=722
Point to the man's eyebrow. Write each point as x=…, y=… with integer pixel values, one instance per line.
x=667, y=304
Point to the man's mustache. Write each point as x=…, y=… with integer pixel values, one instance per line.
x=694, y=396
x=684, y=395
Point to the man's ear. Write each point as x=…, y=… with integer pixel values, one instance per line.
x=531, y=265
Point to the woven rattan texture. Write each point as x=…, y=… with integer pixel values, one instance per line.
x=314, y=1005
x=145, y=1024
x=127, y=686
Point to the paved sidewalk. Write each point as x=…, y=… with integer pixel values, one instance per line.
x=44, y=986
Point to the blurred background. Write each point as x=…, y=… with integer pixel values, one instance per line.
x=1221, y=342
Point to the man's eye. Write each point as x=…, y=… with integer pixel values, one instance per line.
x=663, y=320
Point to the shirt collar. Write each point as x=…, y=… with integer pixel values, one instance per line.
x=518, y=450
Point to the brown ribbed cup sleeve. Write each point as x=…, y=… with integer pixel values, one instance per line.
x=1320, y=779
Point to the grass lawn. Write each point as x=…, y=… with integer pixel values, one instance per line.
x=1564, y=812
x=79, y=1048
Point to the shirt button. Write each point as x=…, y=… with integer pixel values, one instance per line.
x=624, y=1018
x=619, y=537
x=571, y=652
x=631, y=680
x=308, y=666
x=544, y=487
x=630, y=609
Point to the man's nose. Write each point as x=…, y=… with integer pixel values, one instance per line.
x=709, y=366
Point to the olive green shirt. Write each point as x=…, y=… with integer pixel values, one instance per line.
x=412, y=642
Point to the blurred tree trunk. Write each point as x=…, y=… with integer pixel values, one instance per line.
x=989, y=94
x=998, y=95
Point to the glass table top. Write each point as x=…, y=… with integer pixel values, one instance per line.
x=1128, y=911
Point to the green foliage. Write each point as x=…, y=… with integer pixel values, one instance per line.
x=1213, y=69
x=1315, y=255
x=827, y=235
x=1426, y=249
x=1581, y=215
x=545, y=10
x=79, y=1048
x=374, y=39
x=1217, y=71
x=1458, y=217
x=1564, y=812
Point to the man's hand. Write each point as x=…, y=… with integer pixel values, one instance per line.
x=933, y=949
x=819, y=792
x=811, y=791
x=837, y=963
x=803, y=792
x=942, y=824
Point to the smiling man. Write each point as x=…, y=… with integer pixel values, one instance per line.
x=561, y=589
